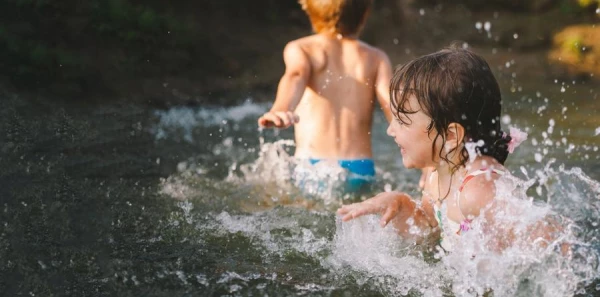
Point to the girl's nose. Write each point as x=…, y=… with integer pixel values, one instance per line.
x=389, y=130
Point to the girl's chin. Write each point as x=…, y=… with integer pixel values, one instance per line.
x=407, y=164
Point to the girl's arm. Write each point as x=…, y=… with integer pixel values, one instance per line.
x=397, y=208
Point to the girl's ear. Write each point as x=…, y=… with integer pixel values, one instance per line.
x=455, y=135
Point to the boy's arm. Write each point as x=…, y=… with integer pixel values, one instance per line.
x=290, y=89
x=382, y=84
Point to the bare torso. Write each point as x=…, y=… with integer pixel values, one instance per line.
x=336, y=110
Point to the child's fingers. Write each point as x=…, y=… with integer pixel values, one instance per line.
x=278, y=119
x=349, y=216
x=293, y=117
x=265, y=123
x=347, y=209
x=389, y=214
x=344, y=209
x=270, y=117
x=358, y=212
x=285, y=118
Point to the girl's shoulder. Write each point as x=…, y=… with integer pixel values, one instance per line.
x=478, y=189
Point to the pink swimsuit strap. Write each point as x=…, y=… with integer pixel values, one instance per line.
x=476, y=173
x=466, y=223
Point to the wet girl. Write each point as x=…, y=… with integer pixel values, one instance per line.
x=446, y=107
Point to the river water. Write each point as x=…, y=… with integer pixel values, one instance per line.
x=126, y=200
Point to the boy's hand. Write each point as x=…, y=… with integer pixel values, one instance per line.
x=388, y=204
x=278, y=119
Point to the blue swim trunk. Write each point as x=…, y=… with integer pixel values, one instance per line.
x=359, y=176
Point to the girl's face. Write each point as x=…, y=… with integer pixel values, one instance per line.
x=413, y=139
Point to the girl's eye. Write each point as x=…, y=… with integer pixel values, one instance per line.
x=402, y=122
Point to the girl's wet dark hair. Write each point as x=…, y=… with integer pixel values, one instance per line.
x=453, y=85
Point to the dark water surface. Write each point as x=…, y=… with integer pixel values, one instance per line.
x=124, y=200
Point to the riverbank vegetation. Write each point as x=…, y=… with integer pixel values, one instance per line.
x=182, y=52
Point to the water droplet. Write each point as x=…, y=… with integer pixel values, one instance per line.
x=478, y=25
x=515, y=36
x=422, y=11
x=562, y=89
x=387, y=188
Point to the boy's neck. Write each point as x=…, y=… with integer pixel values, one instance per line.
x=339, y=36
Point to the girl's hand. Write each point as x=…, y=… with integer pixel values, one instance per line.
x=388, y=204
x=278, y=119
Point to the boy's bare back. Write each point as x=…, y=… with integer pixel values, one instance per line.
x=330, y=84
x=342, y=77
x=336, y=110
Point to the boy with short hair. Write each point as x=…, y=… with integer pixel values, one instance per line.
x=329, y=88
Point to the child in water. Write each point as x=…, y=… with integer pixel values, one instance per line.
x=446, y=109
x=329, y=87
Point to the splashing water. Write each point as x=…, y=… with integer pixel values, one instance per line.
x=527, y=265
x=243, y=214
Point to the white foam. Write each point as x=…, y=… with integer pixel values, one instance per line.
x=481, y=261
x=185, y=120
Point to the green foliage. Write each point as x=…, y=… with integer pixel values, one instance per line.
x=587, y=3
x=45, y=37
x=149, y=20
x=66, y=58
x=39, y=54
x=579, y=6
x=574, y=46
x=118, y=10
x=74, y=42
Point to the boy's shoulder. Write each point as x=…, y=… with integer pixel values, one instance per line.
x=316, y=47
x=374, y=51
x=306, y=40
x=318, y=39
